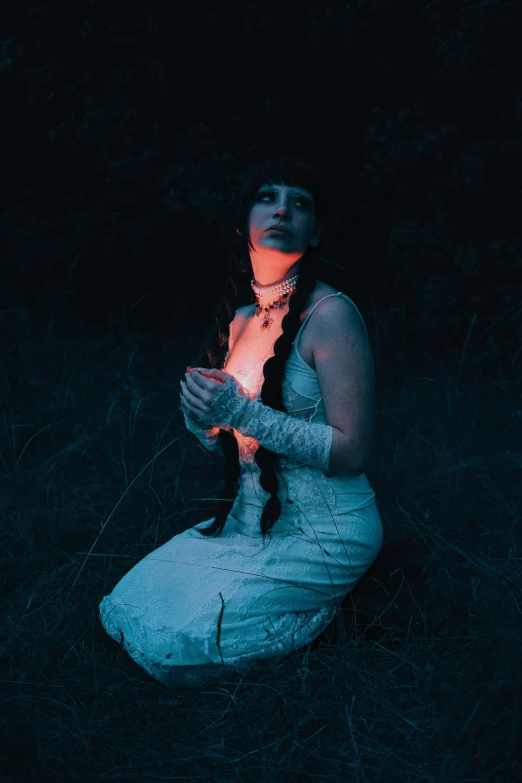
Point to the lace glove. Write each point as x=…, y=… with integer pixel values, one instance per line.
x=207, y=436
x=232, y=406
x=301, y=441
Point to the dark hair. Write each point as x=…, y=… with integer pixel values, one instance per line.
x=293, y=172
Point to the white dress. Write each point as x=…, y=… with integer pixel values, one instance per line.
x=198, y=606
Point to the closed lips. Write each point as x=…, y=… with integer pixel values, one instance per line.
x=278, y=228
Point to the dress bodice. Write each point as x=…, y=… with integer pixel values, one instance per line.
x=301, y=391
x=303, y=399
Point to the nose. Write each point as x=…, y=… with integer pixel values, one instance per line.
x=282, y=208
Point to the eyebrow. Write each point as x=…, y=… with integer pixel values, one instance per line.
x=295, y=189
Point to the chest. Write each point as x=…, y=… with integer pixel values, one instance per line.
x=252, y=346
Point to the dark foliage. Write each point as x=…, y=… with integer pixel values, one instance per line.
x=121, y=185
x=126, y=132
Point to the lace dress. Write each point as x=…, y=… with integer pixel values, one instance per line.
x=197, y=606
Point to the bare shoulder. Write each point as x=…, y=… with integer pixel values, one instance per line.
x=323, y=289
x=340, y=314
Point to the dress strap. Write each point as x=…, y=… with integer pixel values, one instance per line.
x=339, y=293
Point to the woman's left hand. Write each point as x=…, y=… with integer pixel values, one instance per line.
x=214, y=399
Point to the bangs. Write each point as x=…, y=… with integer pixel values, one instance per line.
x=283, y=170
x=288, y=172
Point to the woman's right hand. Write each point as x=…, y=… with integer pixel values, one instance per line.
x=207, y=436
x=197, y=396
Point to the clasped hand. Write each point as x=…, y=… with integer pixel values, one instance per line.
x=215, y=401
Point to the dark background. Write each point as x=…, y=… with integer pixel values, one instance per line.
x=128, y=129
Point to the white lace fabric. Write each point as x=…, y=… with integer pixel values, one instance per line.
x=207, y=436
x=301, y=443
x=268, y=597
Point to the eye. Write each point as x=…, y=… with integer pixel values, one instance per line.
x=304, y=201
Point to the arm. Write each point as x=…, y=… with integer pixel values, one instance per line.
x=301, y=441
x=316, y=445
x=345, y=371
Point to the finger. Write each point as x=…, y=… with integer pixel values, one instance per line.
x=192, y=412
x=199, y=379
x=192, y=400
x=207, y=378
x=213, y=372
x=197, y=389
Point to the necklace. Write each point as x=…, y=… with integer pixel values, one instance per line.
x=283, y=290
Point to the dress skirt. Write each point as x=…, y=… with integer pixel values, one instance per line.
x=199, y=606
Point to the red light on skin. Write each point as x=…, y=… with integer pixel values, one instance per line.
x=211, y=377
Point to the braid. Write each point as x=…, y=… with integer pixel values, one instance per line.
x=272, y=392
x=215, y=344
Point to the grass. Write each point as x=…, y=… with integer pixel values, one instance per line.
x=416, y=680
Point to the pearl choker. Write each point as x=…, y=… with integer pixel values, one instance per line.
x=266, y=292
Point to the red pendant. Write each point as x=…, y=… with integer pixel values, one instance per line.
x=267, y=320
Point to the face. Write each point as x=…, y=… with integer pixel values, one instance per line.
x=293, y=209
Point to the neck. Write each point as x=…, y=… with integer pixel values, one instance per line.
x=271, y=268
x=267, y=274
x=281, y=285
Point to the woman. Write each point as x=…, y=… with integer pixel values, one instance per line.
x=287, y=399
